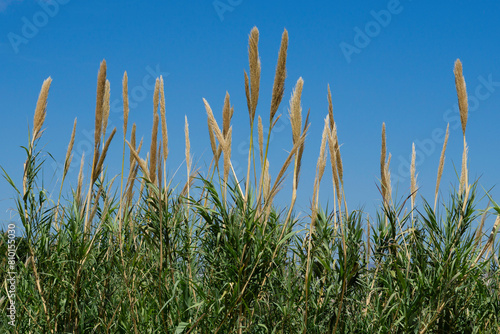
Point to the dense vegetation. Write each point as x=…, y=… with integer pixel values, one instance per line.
x=133, y=254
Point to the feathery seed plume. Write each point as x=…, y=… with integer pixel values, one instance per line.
x=461, y=93
x=296, y=110
x=254, y=61
x=338, y=158
x=213, y=123
x=101, y=90
x=279, y=79
x=213, y=144
x=41, y=108
x=226, y=115
x=105, y=108
x=156, y=96
x=164, y=132
x=125, y=103
x=330, y=107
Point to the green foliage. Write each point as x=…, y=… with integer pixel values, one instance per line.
x=207, y=265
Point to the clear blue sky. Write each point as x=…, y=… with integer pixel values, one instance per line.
x=386, y=61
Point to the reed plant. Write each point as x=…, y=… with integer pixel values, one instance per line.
x=216, y=254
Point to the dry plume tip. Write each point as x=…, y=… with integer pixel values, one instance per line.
x=461, y=93
x=41, y=107
x=279, y=78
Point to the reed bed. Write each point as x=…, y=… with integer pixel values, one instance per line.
x=216, y=255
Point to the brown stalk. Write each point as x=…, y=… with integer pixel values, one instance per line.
x=130, y=183
x=491, y=239
x=103, y=156
x=267, y=181
x=188, y=149
x=338, y=160
x=301, y=149
x=248, y=95
x=383, y=153
x=132, y=142
x=441, y=165
x=141, y=162
x=464, y=173
x=69, y=156
x=286, y=164
x=227, y=155
x=479, y=230
x=413, y=179
x=296, y=123
x=154, y=141
x=320, y=168
x=134, y=168
x=159, y=169
x=387, y=172
x=332, y=143
x=261, y=139
x=80, y=180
